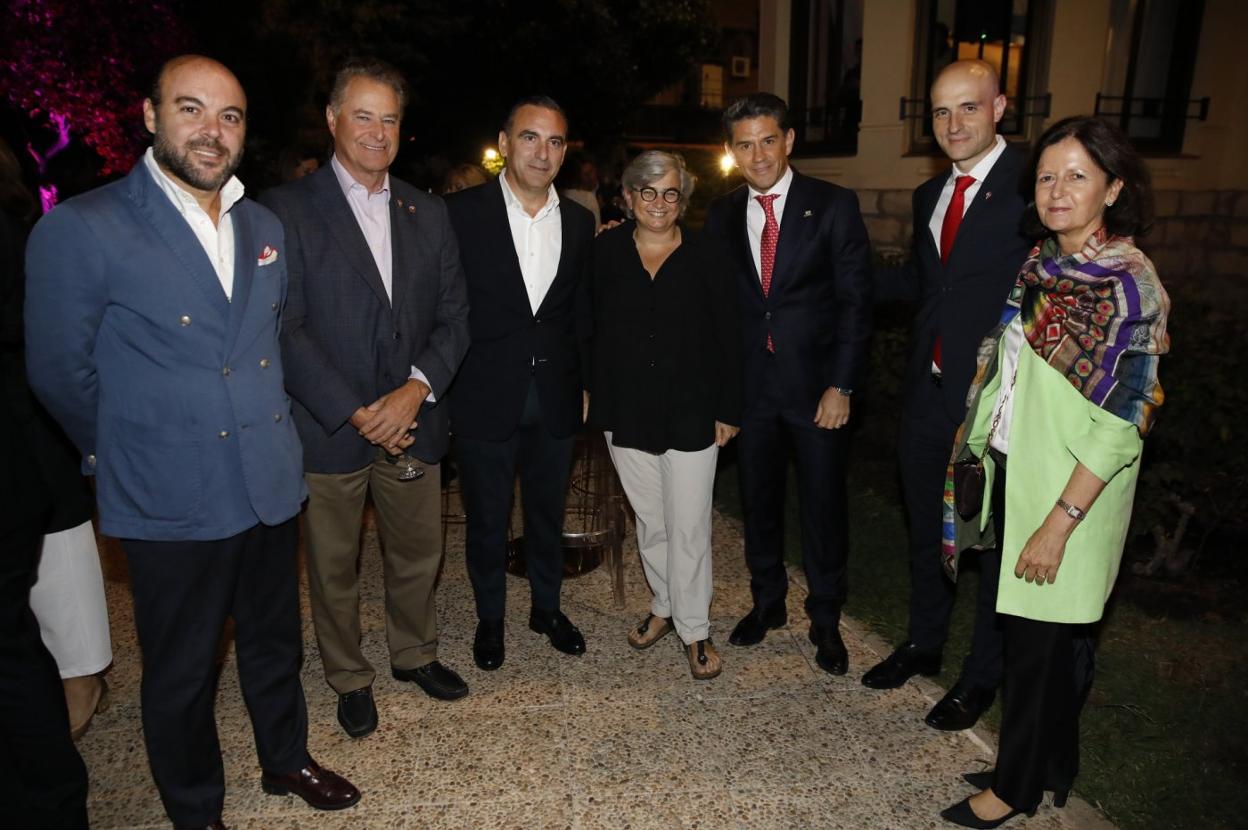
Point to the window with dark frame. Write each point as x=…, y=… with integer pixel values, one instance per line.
x=1006, y=34
x=825, y=71
x=1148, y=71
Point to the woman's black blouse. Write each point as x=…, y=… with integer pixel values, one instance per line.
x=667, y=352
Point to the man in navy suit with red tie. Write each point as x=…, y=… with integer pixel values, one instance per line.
x=967, y=250
x=804, y=279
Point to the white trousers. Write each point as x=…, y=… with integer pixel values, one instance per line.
x=68, y=600
x=671, y=495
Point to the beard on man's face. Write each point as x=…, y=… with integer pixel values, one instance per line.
x=180, y=164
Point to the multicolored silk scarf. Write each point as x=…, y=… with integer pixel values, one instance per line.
x=1097, y=316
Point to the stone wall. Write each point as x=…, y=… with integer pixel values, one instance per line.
x=1196, y=233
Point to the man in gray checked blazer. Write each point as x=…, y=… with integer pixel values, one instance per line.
x=376, y=325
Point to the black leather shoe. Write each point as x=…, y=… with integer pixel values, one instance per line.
x=321, y=788
x=960, y=708
x=487, y=645
x=357, y=713
x=564, y=636
x=436, y=679
x=216, y=825
x=830, y=653
x=962, y=815
x=755, y=625
x=983, y=780
x=903, y=664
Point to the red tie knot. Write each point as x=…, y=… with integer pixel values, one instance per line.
x=766, y=200
x=960, y=184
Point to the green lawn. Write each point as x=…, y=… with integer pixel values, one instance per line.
x=1165, y=731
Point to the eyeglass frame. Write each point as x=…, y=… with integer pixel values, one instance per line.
x=672, y=192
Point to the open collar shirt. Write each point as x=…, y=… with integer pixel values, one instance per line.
x=217, y=240
x=538, y=241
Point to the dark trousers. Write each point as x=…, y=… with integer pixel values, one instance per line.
x=43, y=781
x=183, y=593
x=1048, y=673
x=769, y=427
x=925, y=445
x=488, y=474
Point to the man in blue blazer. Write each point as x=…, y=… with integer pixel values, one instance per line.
x=375, y=327
x=804, y=278
x=152, y=318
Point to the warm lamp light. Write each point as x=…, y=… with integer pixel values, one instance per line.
x=727, y=163
x=492, y=161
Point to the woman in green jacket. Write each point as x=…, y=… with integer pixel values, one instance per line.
x=1065, y=393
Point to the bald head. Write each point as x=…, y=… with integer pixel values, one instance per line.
x=197, y=115
x=183, y=62
x=981, y=72
x=966, y=105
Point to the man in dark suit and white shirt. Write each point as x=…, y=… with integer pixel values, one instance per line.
x=152, y=319
x=803, y=271
x=967, y=250
x=375, y=327
x=517, y=402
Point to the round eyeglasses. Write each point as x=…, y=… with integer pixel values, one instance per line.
x=649, y=194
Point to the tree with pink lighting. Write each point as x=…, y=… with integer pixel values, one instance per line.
x=76, y=69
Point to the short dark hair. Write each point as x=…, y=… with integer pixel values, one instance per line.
x=759, y=105
x=1131, y=214
x=543, y=101
x=374, y=69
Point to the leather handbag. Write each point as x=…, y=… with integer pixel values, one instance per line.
x=968, y=487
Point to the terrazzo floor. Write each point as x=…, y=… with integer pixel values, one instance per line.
x=613, y=739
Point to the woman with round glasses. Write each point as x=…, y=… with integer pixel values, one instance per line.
x=666, y=388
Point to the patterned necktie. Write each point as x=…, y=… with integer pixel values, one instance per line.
x=767, y=248
x=948, y=233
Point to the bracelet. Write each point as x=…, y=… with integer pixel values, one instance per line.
x=1076, y=513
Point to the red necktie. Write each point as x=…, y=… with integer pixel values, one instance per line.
x=767, y=248
x=948, y=233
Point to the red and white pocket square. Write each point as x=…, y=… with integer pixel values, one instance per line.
x=268, y=256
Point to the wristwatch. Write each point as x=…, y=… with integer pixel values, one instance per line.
x=843, y=390
x=1076, y=513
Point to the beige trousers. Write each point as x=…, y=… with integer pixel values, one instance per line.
x=671, y=494
x=409, y=518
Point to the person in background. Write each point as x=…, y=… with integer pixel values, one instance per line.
x=461, y=177
x=579, y=183
x=43, y=781
x=1064, y=394
x=667, y=325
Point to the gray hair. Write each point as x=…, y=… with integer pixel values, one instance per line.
x=372, y=69
x=653, y=165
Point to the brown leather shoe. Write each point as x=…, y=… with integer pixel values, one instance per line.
x=651, y=630
x=321, y=788
x=704, y=662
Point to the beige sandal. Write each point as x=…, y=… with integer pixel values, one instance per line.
x=97, y=701
x=651, y=630
x=704, y=660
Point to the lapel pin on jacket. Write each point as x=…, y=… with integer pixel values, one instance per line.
x=808, y=214
x=268, y=256
x=399, y=201
x=987, y=195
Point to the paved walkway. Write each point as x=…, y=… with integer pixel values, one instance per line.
x=613, y=739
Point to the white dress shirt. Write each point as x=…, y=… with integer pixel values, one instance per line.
x=980, y=172
x=216, y=240
x=372, y=214
x=755, y=218
x=538, y=240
